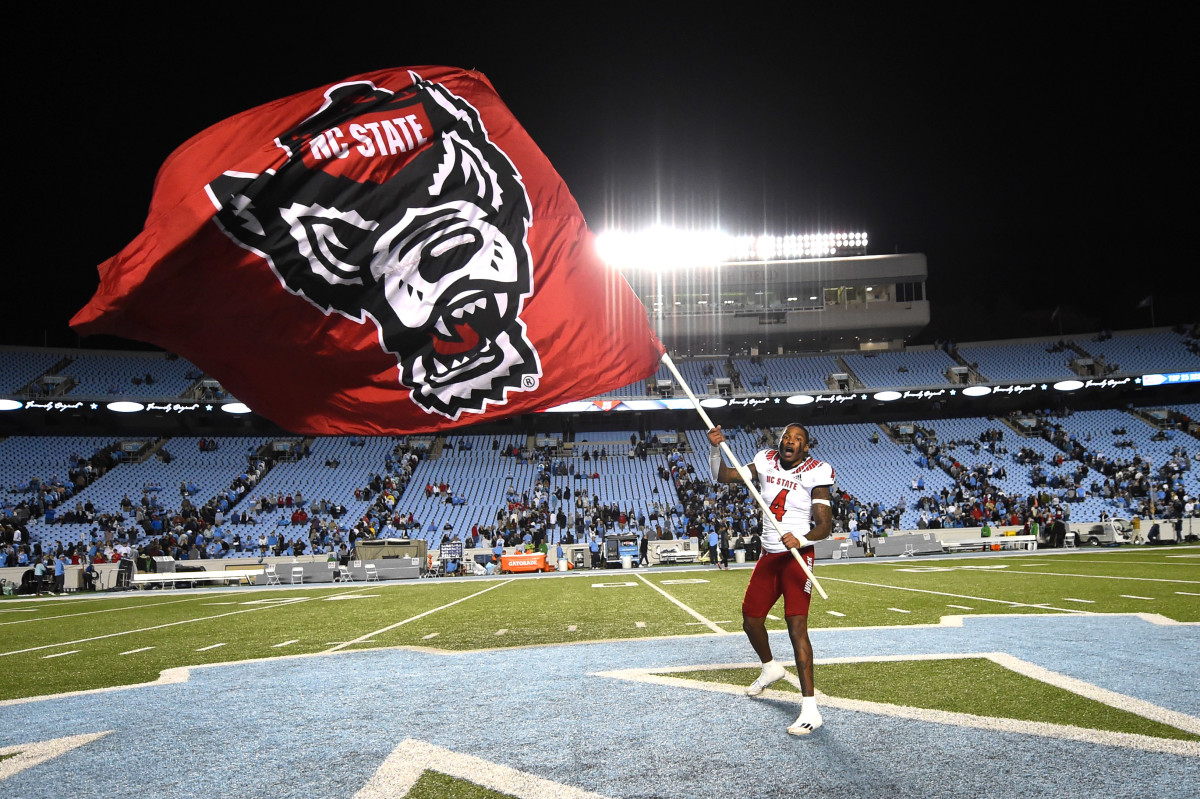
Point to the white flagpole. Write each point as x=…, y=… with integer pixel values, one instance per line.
x=742, y=471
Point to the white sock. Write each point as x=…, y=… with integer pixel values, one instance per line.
x=808, y=704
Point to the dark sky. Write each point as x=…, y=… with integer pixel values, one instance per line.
x=1037, y=158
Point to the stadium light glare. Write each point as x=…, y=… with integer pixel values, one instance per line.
x=665, y=249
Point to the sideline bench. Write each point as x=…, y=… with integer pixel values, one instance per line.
x=1005, y=542
x=171, y=578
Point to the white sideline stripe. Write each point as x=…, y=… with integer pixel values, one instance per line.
x=900, y=610
x=148, y=629
x=1111, y=576
x=62, y=654
x=1139, y=707
x=19, y=610
x=834, y=613
x=960, y=607
x=776, y=618
x=371, y=635
x=710, y=625
x=427, y=637
x=1131, y=596
x=412, y=758
x=1007, y=602
x=135, y=651
x=210, y=646
x=1073, y=599
x=1187, y=593
x=286, y=643
x=92, y=612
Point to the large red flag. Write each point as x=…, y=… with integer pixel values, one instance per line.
x=388, y=254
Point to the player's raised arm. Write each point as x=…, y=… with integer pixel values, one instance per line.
x=719, y=471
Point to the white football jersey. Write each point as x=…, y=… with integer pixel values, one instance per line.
x=788, y=493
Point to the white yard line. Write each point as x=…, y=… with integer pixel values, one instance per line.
x=371, y=635
x=93, y=612
x=1104, y=577
x=697, y=616
x=148, y=629
x=952, y=596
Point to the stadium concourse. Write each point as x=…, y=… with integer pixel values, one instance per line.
x=1024, y=462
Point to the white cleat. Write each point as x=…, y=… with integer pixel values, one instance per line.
x=771, y=672
x=806, y=723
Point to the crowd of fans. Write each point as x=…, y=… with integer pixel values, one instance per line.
x=240, y=522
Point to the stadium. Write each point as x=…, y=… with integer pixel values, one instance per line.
x=949, y=250
x=423, y=615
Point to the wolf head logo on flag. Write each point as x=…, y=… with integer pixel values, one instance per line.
x=435, y=255
x=389, y=253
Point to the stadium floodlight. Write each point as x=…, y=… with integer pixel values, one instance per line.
x=235, y=407
x=665, y=249
x=11, y=404
x=125, y=406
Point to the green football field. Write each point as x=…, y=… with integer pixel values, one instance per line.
x=90, y=641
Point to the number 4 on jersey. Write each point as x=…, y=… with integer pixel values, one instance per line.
x=778, y=505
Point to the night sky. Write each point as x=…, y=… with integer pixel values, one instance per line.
x=1038, y=161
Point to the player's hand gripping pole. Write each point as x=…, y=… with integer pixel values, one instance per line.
x=742, y=471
